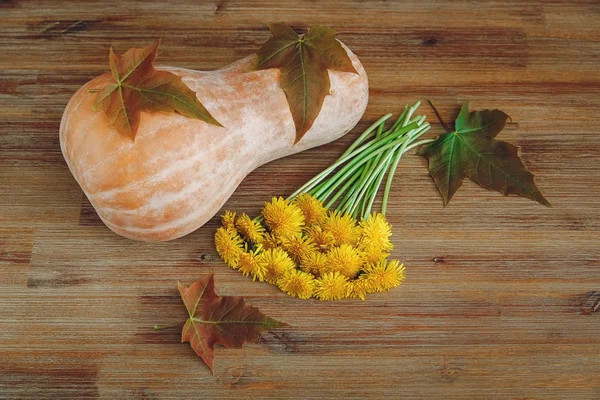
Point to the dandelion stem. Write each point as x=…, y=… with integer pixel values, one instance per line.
x=376, y=144
x=365, y=135
x=352, y=182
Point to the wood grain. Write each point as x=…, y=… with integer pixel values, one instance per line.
x=503, y=295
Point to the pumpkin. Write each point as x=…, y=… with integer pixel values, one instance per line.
x=178, y=172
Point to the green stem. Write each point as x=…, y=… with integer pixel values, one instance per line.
x=353, y=181
x=334, y=182
x=417, y=144
x=367, y=182
x=401, y=119
x=367, y=166
x=361, y=206
x=342, y=204
x=365, y=135
x=373, y=190
x=347, y=156
x=376, y=160
x=343, y=190
x=394, y=165
x=349, y=202
x=351, y=167
x=377, y=175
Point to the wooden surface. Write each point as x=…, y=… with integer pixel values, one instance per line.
x=502, y=295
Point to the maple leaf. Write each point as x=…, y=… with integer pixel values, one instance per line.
x=303, y=62
x=471, y=151
x=137, y=86
x=225, y=320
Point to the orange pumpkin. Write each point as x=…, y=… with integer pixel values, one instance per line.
x=179, y=171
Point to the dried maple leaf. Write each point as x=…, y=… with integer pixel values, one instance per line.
x=225, y=320
x=303, y=62
x=471, y=151
x=138, y=87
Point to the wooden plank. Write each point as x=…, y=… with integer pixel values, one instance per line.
x=502, y=295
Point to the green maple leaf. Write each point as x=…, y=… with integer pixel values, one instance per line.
x=303, y=62
x=471, y=151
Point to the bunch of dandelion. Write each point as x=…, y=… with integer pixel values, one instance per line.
x=309, y=251
x=325, y=241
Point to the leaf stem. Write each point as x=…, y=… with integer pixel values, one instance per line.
x=439, y=117
x=159, y=327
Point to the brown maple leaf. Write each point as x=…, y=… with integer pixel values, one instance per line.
x=137, y=86
x=303, y=62
x=225, y=320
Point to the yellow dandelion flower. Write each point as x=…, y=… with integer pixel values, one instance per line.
x=375, y=231
x=228, y=219
x=298, y=246
x=276, y=263
x=383, y=276
x=313, y=209
x=297, y=283
x=315, y=263
x=229, y=246
x=270, y=241
x=250, y=228
x=248, y=265
x=323, y=239
x=282, y=217
x=373, y=254
x=358, y=288
x=331, y=286
x=343, y=228
x=345, y=260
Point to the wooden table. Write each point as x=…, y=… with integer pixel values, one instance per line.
x=502, y=295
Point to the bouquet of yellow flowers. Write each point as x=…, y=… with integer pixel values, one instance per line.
x=324, y=241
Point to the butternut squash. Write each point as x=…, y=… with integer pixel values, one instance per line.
x=179, y=171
